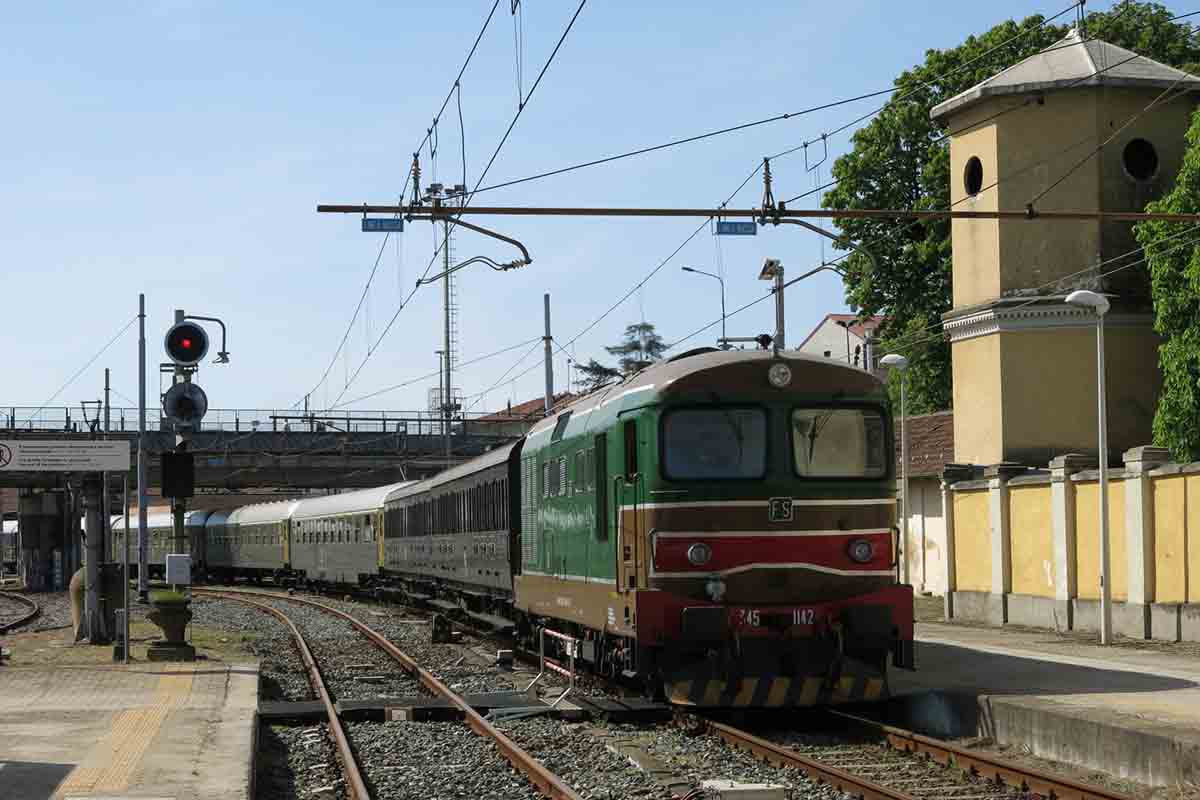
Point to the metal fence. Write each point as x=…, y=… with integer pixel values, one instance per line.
x=80, y=419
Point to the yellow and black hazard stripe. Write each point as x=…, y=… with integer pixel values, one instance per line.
x=777, y=692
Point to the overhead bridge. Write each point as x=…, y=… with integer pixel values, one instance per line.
x=243, y=449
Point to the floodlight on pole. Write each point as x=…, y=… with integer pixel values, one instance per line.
x=900, y=363
x=1099, y=304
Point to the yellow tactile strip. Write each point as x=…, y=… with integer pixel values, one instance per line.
x=111, y=763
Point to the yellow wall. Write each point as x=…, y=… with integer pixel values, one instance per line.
x=1193, y=540
x=1087, y=539
x=1170, y=539
x=975, y=242
x=977, y=400
x=972, y=541
x=1031, y=533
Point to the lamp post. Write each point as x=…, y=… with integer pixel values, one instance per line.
x=899, y=362
x=724, y=344
x=1099, y=304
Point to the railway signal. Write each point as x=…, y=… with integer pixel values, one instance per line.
x=186, y=343
x=185, y=404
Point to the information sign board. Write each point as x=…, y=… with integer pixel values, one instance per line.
x=34, y=455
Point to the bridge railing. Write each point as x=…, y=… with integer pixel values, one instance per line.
x=123, y=419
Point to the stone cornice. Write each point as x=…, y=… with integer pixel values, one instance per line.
x=1033, y=316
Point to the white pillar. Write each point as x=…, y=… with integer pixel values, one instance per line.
x=998, y=476
x=1139, y=530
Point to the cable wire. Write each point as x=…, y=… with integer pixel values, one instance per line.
x=81, y=370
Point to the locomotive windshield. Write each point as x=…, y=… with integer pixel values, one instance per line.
x=839, y=443
x=709, y=443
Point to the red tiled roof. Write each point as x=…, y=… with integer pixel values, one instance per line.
x=859, y=328
x=530, y=408
x=930, y=443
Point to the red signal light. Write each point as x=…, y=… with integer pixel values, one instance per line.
x=186, y=343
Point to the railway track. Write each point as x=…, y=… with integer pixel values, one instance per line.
x=542, y=779
x=854, y=756
x=16, y=610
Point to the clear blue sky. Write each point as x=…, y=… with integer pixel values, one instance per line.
x=180, y=149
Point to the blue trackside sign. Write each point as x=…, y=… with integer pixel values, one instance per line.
x=737, y=229
x=383, y=224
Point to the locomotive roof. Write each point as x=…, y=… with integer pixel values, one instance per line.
x=361, y=501
x=488, y=459
x=640, y=388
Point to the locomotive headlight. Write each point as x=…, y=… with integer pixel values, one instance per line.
x=699, y=554
x=779, y=375
x=861, y=550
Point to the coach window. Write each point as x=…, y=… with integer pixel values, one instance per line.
x=631, y=454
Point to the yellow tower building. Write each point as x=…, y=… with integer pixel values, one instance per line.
x=1024, y=361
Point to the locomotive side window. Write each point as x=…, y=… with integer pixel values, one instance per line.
x=714, y=443
x=839, y=443
x=631, y=454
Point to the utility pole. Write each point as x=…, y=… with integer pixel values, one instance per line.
x=143, y=542
x=106, y=544
x=546, y=340
x=94, y=531
x=448, y=392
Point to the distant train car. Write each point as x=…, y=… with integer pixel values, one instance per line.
x=8, y=546
x=453, y=535
x=339, y=538
x=160, y=527
x=253, y=542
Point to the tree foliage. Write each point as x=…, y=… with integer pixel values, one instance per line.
x=640, y=346
x=901, y=160
x=1174, y=262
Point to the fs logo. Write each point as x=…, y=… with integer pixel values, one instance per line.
x=5, y=456
x=779, y=509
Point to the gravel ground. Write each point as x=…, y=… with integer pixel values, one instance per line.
x=423, y=760
x=56, y=612
x=283, y=676
x=919, y=777
x=297, y=762
x=11, y=609
x=352, y=665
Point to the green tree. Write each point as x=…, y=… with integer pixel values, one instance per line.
x=592, y=375
x=1174, y=262
x=901, y=160
x=641, y=347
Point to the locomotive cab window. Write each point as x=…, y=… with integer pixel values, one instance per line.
x=714, y=443
x=839, y=443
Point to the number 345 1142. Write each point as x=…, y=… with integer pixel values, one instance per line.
x=753, y=617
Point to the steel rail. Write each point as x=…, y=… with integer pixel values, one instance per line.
x=772, y=214
x=34, y=610
x=354, y=780
x=845, y=782
x=1025, y=779
x=546, y=781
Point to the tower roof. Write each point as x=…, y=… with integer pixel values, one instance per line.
x=1073, y=62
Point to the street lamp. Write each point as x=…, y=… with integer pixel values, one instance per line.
x=899, y=362
x=1100, y=305
x=724, y=344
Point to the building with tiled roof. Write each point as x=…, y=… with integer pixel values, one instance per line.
x=930, y=449
x=844, y=337
x=517, y=420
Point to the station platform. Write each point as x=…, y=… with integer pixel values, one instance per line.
x=1127, y=710
x=164, y=731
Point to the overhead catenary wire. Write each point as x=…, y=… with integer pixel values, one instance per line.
x=454, y=87
x=435, y=374
x=453, y=223
x=81, y=370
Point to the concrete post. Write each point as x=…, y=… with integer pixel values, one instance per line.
x=94, y=527
x=1062, y=512
x=998, y=476
x=1139, y=548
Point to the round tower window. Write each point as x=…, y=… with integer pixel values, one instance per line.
x=1140, y=160
x=973, y=176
